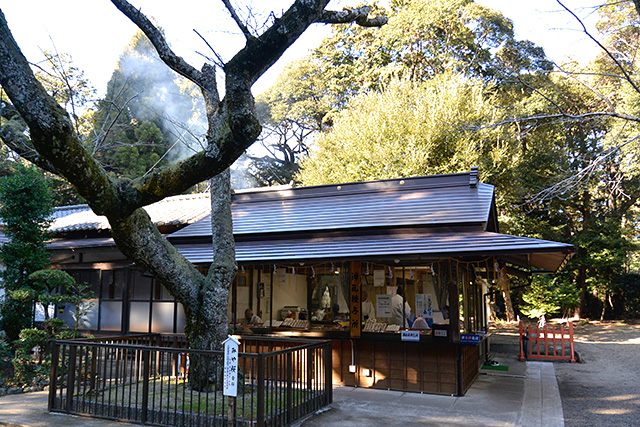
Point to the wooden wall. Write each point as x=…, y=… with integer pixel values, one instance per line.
x=406, y=366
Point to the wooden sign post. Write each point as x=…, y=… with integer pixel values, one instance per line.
x=230, y=378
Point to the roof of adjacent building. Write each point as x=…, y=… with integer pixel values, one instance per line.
x=175, y=210
x=418, y=218
x=436, y=200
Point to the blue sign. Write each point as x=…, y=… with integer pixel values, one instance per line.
x=470, y=338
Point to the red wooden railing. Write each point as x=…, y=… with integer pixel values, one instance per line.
x=547, y=343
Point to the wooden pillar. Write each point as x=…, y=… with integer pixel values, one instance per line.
x=454, y=307
x=355, y=306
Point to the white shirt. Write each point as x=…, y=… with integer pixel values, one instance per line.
x=396, y=311
x=368, y=310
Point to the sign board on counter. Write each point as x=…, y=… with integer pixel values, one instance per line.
x=378, y=277
x=383, y=305
x=410, y=335
x=230, y=378
x=439, y=332
x=470, y=338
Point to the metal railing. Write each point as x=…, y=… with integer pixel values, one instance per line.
x=142, y=379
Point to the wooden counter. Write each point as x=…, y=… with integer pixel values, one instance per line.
x=432, y=365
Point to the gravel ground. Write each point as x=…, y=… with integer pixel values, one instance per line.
x=604, y=388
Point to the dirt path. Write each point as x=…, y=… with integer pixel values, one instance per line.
x=604, y=388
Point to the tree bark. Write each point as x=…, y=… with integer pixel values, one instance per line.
x=506, y=294
x=581, y=281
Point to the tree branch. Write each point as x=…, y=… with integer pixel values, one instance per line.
x=233, y=125
x=237, y=19
x=259, y=54
x=577, y=179
x=220, y=62
x=613, y=58
x=359, y=15
x=572, y=117
x=173, y=61
x=12, y=133
x=637, y=5
x=51, y=131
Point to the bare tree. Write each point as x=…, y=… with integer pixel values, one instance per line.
x=39, y=129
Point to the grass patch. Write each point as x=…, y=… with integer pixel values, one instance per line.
x=173, y=394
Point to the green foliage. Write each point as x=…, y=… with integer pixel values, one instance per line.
x=32, y=359
x=427, y=38
x=628, y=287
x=25, y=206
x=26, y=365
x=550, y=296
x=423, y=40
x=5, y=350
x=50, y=280
x=438, y=126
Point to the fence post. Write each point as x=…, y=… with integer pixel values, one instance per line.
x=571, y=344
x=289, y=377
x=146, y=372
x=94, y=362
x=260, y=421
x=310, y=369
x=328, y=374
x=53, y=379
x=521, y=356
x=71, y=377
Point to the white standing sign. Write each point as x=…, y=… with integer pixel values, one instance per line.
x=383, y=305
x=230, y=380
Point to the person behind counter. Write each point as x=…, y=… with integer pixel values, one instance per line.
x=368, y=310
x=249, y=317
x=397, y=316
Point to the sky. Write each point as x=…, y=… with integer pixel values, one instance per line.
x=94, y=32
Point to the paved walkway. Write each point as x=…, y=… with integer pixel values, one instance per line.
x=527, y=395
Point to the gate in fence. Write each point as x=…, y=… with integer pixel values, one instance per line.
x=144, y=379
x=546, y=343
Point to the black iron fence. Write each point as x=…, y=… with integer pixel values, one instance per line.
x=154, y=379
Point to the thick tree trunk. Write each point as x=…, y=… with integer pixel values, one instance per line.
x=207, y=324
x=506, y=294
x=581, y=281
x=504, y=285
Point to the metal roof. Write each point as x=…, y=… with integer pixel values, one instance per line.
x=542, y=254
x=96, y=242
x=176, y=210
x=549, y=255
x=431, y=200
x=411, y=218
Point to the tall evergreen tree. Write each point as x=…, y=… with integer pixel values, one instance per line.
x=136, y=125
x=25, y=208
